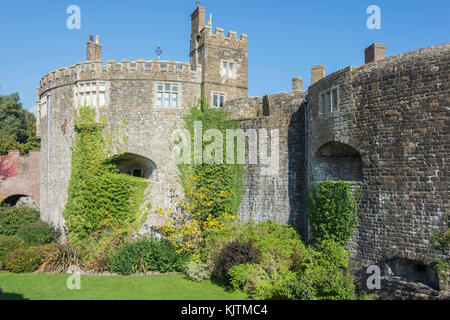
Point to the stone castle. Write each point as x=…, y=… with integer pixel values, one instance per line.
x=383, y=124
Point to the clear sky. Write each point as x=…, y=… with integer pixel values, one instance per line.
x=286, y=37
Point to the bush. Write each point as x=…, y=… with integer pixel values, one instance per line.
x=298, y=288
x=329, y=274
x=277, y=245
x=258, y=281
x=333, y=210
x=7, y=245
x=59, y=258
x=197, y=271
x=12, y=218
x=147, y=254
x=37, y=233
x=23, y=261
x=234, y=254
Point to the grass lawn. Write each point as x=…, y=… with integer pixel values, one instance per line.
x=152, y=287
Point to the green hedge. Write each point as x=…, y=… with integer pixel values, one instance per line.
x=147, y=254
x=37, y=233
x=12, y=218
x=333, y=210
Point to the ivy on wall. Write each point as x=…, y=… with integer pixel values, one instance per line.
x=333, y=210
x=223, y=181
x=99, y=198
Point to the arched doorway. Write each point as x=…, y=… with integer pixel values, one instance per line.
x=137, y=166
x=337, y=161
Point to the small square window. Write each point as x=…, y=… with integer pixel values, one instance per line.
x=160, y=87
x=168, y=87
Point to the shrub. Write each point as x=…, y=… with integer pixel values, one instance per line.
x=100, y=250
x=37, y=233
x=277, y=245
x=147, y=254
x=59, y=258
x=234, y=254
x=12, y=218
x=329, y=274
x=333, y=210
x=23, y=261
x=197, y=271
x=298, y=288
x=258, y=281
x=7, y=245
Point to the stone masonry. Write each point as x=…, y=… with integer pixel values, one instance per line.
x=383, y=124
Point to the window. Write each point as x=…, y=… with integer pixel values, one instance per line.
x=228, y=69
x=137, y=173
x=91, y=94
x=168, y=95
x=218, y=99
x=329, y=101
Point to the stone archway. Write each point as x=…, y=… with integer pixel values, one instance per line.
x=20, y=200
x=337, y=161
x=136, y=165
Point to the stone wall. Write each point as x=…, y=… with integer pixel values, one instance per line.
x=279, y=197
x=26, y=182
x=395, y=113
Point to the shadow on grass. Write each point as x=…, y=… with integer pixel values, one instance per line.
x=11, y=296
x=220, y=283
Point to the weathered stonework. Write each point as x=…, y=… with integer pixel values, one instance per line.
x=26, y=183
x=386, y=127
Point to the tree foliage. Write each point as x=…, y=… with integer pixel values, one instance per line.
x=17, y=126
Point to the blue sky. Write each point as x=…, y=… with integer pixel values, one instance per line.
x=286, y=37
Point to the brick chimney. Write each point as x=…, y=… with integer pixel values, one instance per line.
x=93, y=50
x=198, y=18
x=317, y=73
x=375, y=52
x=297, y=84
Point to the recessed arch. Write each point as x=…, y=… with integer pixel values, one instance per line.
x=21, y=200
x=337, y=161
x=136, y=165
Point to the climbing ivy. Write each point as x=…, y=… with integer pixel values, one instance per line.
x=223, y=181
x=333, y=210
x=99, y=198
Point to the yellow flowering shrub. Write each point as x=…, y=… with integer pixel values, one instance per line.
x=187, y=224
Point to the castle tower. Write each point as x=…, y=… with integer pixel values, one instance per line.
x=223, y=58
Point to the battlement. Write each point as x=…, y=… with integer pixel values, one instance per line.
x=125, y=69
x=230, y=40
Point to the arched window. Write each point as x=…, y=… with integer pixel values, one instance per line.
x=337, y=161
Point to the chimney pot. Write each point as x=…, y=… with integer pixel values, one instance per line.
x=91, y=38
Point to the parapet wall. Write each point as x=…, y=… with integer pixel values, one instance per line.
x=124, y=70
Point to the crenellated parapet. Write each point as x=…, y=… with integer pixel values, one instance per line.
x=230, y=40
x=123, y=70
